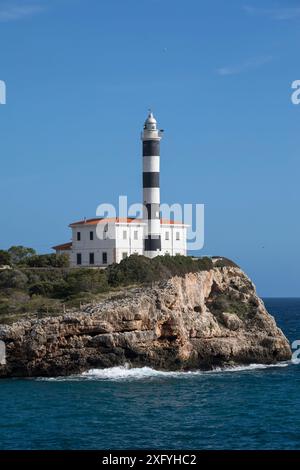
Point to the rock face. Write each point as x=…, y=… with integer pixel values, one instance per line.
x=200, y=321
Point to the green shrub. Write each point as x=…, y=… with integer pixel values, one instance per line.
x=4, y=258
x=44, y=288
x=53, y=276
x=221, y=303
x=224, y=262
x=48, y=261
x=42, y=306
x=13, y=301
x=81, y=280
x=131, y=270
x=140, y=270
x=168, y=266
x=13, y=279
x=205, y=264
x=225, y=303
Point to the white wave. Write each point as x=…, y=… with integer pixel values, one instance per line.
x=142, y=373
x=125, y=372
x=252, y=367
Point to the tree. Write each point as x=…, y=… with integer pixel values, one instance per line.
x=48, y=261
x=13, y=279
x=19, y=254
x=4, y=258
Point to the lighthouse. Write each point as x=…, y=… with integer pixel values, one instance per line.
x=148, y=235
x=151, y=137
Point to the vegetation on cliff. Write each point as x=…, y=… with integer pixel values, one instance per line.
x=39, y=285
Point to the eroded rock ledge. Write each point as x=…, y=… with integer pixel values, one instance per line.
x=206, y=319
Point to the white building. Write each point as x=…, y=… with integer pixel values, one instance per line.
x=100, y=242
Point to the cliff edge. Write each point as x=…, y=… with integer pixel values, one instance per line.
x=198, y=321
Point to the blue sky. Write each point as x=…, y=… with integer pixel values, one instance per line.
x=80, y=76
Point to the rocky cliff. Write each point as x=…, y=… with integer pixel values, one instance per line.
x=203, y=320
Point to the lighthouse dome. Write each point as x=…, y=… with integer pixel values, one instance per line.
x=150, y=122
x=151, y=119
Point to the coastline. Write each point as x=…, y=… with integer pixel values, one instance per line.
x=201, y=320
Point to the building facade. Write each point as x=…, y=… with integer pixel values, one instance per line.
x=103, y=241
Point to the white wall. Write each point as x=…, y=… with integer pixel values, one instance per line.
x=173, y=246
x=98, y=246
x=129, y=245
x=117, y=245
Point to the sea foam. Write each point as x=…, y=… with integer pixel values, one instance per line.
x=127, y=373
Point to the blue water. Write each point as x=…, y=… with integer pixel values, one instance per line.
x=250, y=408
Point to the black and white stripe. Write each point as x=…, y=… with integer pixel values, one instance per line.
x=151, y=187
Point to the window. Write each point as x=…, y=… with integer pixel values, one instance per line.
x=124, y=234
x=104, y=257
x=91, y=235
x=105, y=231
x=78, y=236
x=135, y=234
x=167, y=236
x=177, y=235
x=78, y=258
x=124, y=255
x=92, y=258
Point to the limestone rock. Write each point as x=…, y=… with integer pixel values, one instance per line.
x=200, y=321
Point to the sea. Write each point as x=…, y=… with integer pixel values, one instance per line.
x=250, y=407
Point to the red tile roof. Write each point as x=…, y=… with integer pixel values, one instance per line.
x=170, y=222
x=63, y=246
x=118, y=220
x=98, y=220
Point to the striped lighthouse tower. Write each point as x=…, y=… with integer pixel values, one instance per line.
x=151, y=137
